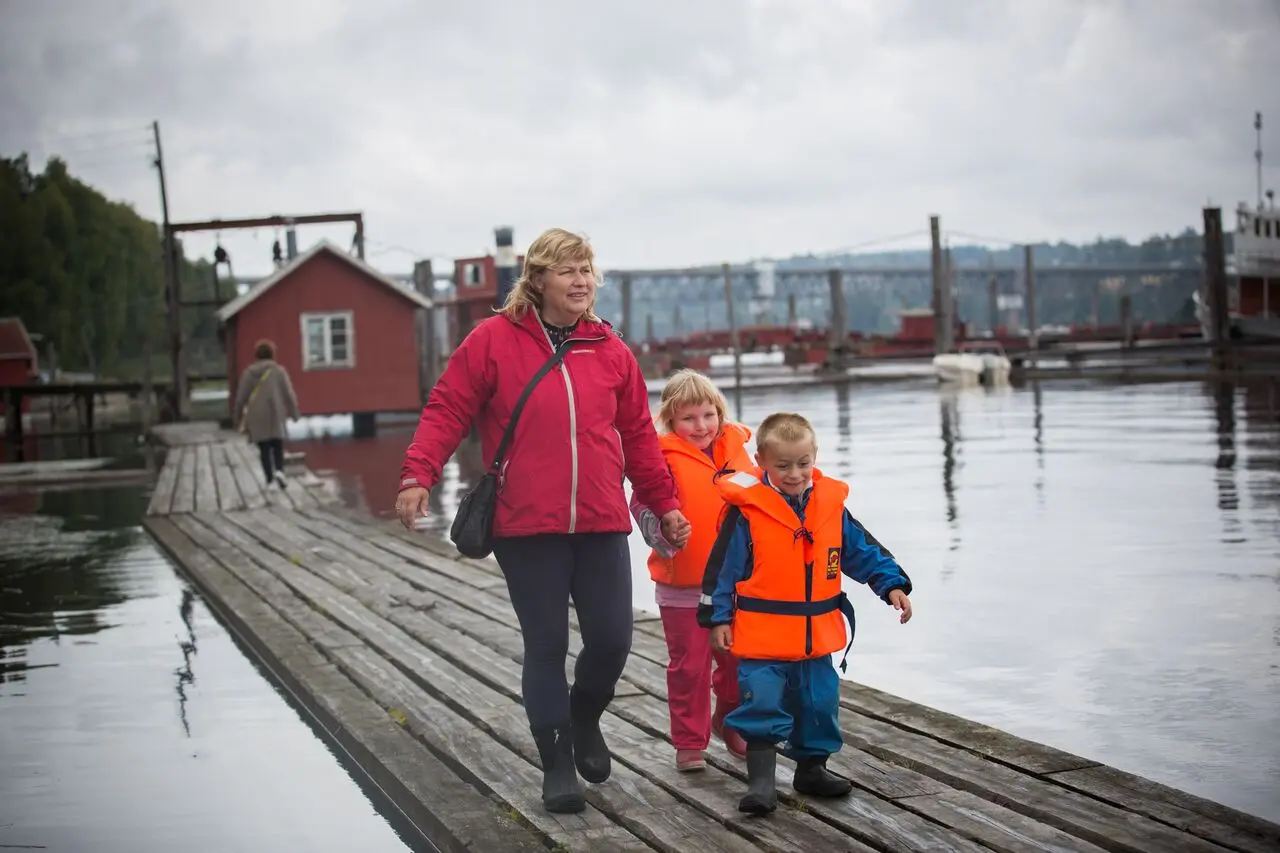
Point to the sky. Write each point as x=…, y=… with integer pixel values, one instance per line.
x=670, y=133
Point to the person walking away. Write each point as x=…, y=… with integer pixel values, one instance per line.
x=700, y=445
x=774, y=600
x=264, y=400
x=561, y=519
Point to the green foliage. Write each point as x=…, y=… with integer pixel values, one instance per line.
x=87, y=273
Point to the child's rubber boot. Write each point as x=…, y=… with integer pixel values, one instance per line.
x=762, y=768
x=813, y=778
x=561, y=788
x=590, y=752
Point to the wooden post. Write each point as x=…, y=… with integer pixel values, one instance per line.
x=1126, y=321
x=993, y=303
x=837, y=334
x=791, y=310
x=676, y=323
x=947, y=320
x=88, y=423
x=733, y=338
x=1029, y=282
x=939, y=299
x=627, y=307
x=648, y=328
x=178, y=385
x=428, y=358
x=1215, y=270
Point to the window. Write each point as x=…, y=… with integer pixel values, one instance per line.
x=328, y=340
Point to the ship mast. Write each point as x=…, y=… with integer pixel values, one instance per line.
x=1257, y=154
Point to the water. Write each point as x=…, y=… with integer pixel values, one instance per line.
x=130, y=720
x=1096, y=567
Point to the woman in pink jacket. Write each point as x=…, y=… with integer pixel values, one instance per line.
x=562, y=517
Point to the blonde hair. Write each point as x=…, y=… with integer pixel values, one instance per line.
x=784, y=428
x=689, y=387
x=551, y=248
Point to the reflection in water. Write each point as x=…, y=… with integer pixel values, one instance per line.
x=949, y=415
x=844, y=432
x=1037, y=422
x=184, y=673
x=1224, y=410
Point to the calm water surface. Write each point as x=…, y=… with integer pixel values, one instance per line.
x=129, y=720
x=1096, y=567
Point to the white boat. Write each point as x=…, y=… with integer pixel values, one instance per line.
x=974, y=363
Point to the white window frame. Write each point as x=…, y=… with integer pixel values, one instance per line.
x=328, y=363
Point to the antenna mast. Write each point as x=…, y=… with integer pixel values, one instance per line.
x=1257, y=153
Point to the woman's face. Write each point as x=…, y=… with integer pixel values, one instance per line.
x=568, y=290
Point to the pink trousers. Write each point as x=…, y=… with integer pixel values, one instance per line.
x=690, y=680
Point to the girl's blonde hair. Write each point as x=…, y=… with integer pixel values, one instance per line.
x=552, y=247
x=689, y=387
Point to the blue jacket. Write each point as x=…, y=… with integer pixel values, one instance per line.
x=863, y=558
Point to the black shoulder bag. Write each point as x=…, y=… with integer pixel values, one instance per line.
x=472, y=530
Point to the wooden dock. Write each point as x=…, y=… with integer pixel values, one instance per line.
x=408, y=659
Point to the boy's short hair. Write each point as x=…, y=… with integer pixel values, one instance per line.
x=264, y=349
x=689, y=387
x=784, y=428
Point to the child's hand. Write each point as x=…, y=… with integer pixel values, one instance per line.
x=721, y=638
x=676, y=528
x=899, y=600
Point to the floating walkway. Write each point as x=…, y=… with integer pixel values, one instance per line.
x=408, y=658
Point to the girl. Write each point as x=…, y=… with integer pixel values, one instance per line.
x=699, y=445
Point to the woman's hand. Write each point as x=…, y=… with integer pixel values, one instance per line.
x=411, y=504
x=676, y=528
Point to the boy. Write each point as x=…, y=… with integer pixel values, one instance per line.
x=772, y=597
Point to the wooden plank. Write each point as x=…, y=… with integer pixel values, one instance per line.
x=206, y=484
x=258, y=542
x=184, y=495
x=1092, y=820
x=166, y=482
x=271, y=494
x=249, y=485
x=229, y=498
x=409, y=551
x=209, y=532
x=452, y=814
x=999, y=828
x=1205, y=818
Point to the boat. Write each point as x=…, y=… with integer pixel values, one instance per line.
x=1253, y=278
x=973, y=363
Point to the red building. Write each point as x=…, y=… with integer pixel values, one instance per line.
x=475, y=295
x=346, y=333
x=18, y=361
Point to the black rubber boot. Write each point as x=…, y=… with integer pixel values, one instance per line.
x=813, y=778
x=762, y=767
x=561, y=788
x=590, y=752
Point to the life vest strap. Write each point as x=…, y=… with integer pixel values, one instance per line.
x=789, y=608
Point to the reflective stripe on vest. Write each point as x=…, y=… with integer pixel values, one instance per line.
x=700, y=501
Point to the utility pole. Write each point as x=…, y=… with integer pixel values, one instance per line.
x=1257, y=153
x=940, y=294
x=173, y=305
x=1029, y=282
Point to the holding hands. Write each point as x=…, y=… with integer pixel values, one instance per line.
x=676, y=528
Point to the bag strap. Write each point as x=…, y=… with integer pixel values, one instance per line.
x=550, y=365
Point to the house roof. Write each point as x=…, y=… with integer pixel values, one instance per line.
x=235, y=306
x=14, y=341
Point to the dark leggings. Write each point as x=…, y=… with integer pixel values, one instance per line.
x=272, y=453
x=542, y=573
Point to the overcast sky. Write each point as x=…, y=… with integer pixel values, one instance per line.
x=670, y=132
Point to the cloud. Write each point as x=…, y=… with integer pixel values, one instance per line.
x=671, y=133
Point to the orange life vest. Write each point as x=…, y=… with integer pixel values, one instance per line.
x=700, y=500
x=791, y=607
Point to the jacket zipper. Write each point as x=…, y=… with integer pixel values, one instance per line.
x=573, y=430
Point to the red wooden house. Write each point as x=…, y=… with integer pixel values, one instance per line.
x=346, y=333
x=19, y=364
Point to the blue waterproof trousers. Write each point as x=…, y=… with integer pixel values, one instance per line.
x=794, y=701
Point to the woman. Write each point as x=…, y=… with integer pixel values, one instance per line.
x=264, y=398
x=562, y=518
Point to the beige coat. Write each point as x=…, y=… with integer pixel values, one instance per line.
x=265, y=414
